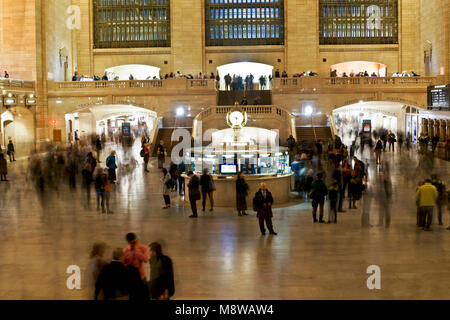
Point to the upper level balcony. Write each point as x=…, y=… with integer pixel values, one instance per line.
x=208, y=86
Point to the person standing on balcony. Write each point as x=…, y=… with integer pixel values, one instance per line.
x=284, y=74
x=6, y=75
x=74, y=78
x=105, y=77
x=217, y=81
x=161, y=153
x=277, y=73
x=227, y=82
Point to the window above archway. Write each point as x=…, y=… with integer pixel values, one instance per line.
x=358, y=21
x=244, y=22
x=131, y=24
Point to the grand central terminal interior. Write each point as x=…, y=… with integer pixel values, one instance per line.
x=224, y=149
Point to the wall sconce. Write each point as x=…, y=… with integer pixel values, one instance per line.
x=30, y=100
x=9, y=101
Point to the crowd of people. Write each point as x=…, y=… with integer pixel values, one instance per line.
x=334, y=73
x=124, y=276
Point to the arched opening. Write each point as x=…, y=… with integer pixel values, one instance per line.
x=107, y=121
x=137, y=71
x=18, y=126
x=375, y=116
x=352, y=68
x=243, y=69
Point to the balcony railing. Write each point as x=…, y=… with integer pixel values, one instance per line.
x=307, y=83
x=353, y=83
x=251, y=110
x=16, y=84
x=189, y=84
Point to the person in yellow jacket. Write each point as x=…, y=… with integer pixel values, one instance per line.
x=426, y=196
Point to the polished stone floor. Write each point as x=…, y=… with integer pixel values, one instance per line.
x=221, y=255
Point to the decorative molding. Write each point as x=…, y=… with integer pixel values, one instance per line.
x=363, y=48
x=246, y=49
x=131, y=52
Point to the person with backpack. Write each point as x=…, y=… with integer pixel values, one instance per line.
x=378, y=150
x=318, y=194
x=112, y=166
x=161, y=284
x=167, y=186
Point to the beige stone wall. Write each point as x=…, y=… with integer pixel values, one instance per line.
x=84, y=39
x=187, y=35
x=18, y=38
x=435, y=34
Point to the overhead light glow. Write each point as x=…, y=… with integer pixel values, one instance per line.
x=308, y=110
x=180, y=112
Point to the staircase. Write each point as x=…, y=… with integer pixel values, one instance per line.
x=228, y=98
x=306, y=133
x=165, y=134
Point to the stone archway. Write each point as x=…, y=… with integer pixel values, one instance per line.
x=18, y=125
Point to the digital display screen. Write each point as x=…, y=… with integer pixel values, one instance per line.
x=367, y=126
x=126, y=130
x=438, y=97
x=228, y=169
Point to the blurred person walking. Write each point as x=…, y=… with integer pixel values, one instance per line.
x=194, y=193
x=333, y=193
x=427, y=195
x=3, y=168
x=440, y=202
x=241, y=195
x=161, y=284
x=378, y=150
x=118, y=282
x=112, y=166
x=100, y=182
x=95, y=265
x=136, y=255
x=167, y=186
x=98, y=147
x=11, y=151
x=161, y=153
x=318, y=194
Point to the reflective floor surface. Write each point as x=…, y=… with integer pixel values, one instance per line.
x=221, y=255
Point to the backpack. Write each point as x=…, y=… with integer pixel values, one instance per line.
x=142, y=154
x=108, y=162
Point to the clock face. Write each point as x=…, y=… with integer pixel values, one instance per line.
x=236, y=118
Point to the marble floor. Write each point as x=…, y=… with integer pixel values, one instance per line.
x=221, y=255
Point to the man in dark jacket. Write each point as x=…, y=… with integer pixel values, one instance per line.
x=207, y=184
x=11, y=151
x=162, y=284
x=194, y=193
x=262, y=204
x=318, y=194
x=117, y=282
